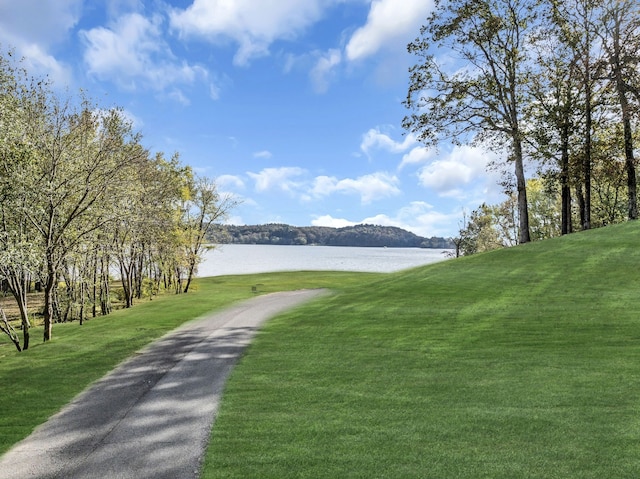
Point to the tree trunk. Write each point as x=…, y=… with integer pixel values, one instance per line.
x=586, y=160
x=629, y=161
x=524, y=235
x=19, y=284
x=82, y=295
x=580, y=198
x=105, y=296
x=565, y=190
x=49, y=303
x=6, y=328
x=631, y=171
x=192, y=267
x=127, y=284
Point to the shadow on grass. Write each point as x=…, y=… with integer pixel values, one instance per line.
x=152, y=416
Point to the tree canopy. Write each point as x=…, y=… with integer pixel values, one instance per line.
x=81, y=198
x=553, y=86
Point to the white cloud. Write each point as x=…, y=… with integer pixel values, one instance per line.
x=328, y=220
x=452, y=175
x=39, y=61
x=32, y=26
x=133, y=53
x=35, y=21
x=390, y=22
x=230, y=181
x=417, y=217
x=371, y=187
x=416, y=156
x=324, y=70
x=376, y=139
x=253, y=28
x=264, y=154
x=278, y=179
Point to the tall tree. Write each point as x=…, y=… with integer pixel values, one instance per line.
x=620, y=33
x=148, y=221
x=576, y=25
x=204, y=207
x=556, y=110
x=79, y=161
x=19, y=253
x=483, y=95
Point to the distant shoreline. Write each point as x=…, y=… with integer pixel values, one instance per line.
x=362, y=236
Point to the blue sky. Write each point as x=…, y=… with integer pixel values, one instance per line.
x=293, y=106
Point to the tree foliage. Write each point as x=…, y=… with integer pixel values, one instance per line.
x=555, y=85
x=80, y=197
x=482, y=101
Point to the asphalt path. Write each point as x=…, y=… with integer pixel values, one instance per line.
x=152, y=416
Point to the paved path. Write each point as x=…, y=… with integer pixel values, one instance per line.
x=152, y=416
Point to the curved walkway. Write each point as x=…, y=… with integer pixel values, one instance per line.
x=152, y=416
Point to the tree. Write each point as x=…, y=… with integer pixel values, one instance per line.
x=545, y=208
x=575, y=21
x=621, y=41
x=79, y=162
x=555, y=110
x=203, y=208
x=484, y=96
x=19, y=254
x=144, y=236
x=484, y=231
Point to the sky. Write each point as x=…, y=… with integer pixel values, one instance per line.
x=293, y=106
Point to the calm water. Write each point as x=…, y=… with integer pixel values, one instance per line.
x=246, y=259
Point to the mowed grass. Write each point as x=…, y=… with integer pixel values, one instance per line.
x=37, y=383
x=519, y=363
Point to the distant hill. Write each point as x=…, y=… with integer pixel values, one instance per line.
x=360, y=235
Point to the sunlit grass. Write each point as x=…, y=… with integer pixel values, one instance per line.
x=516, y=363
x=37, y=383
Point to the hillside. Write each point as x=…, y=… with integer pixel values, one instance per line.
x=521, y=362
x=360, y=235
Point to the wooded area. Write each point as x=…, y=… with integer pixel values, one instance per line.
x=554, y=88
x=359, y=235
x=81, y=198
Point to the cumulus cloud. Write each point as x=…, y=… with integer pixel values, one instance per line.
x=370, y=187
x=230, y=181
x=451, y=176
x=389, y=22
x=375, y=139
x=133, y=53
x=38, y=61
x=417, y=156
x=296, y=182
x=418, y=217
x=330, y=221
x=35, y=21
x=253, y=29
x=32, y=26
x=285, y=179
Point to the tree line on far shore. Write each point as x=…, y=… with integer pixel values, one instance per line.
x=359, y=235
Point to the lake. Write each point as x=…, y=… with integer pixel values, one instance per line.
x=248, y=259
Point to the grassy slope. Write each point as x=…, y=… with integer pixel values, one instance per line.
x=522, y=363
x=38, y=382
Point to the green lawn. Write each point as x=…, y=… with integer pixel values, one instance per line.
x=37, y=383
x=520, y=363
